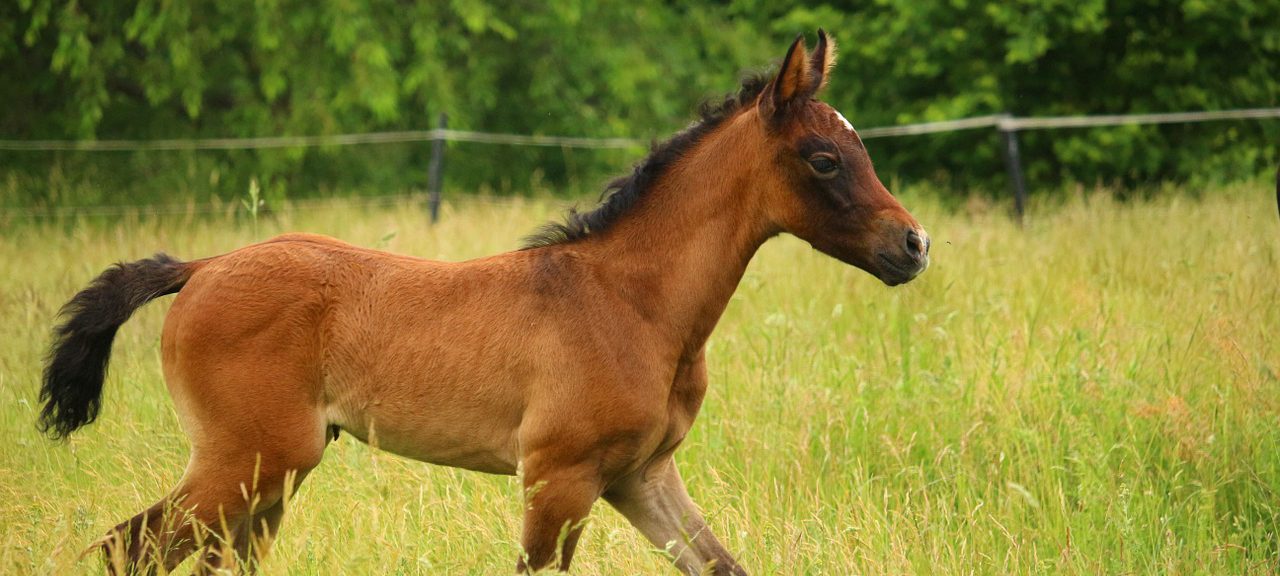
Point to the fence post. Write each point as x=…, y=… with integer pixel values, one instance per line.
x=435, y=169
x=1013, y=163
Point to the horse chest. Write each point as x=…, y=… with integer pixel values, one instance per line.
x=688, y=388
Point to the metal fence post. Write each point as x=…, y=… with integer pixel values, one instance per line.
x=435, y=169
x=1013, y=163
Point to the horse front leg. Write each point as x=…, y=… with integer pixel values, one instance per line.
x=655, y=501
x=557, y=499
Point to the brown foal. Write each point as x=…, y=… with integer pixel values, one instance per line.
x=578, y=361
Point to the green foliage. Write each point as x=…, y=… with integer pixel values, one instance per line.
x=151, y=69
x=916, y=62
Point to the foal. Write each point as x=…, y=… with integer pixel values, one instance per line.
x=578, y=360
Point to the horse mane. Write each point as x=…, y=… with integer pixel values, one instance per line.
x=623, y=193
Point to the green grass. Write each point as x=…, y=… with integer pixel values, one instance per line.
x=1095, y=394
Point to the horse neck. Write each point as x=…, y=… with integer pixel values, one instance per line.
x=678, y=255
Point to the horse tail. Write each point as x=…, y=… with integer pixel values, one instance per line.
x=76, y=365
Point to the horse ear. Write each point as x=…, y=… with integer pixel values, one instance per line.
x=793, y=81
x=822, y=60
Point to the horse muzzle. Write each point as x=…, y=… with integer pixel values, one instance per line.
x=906, y=261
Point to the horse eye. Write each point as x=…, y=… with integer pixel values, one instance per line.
x=823, y=165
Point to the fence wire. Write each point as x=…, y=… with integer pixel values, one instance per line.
x=253, y=143
x=1003, y=122
x=229, y=208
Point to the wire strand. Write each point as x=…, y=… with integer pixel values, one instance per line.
x=449, y=135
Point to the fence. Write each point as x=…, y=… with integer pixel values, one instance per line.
x=1007, y=125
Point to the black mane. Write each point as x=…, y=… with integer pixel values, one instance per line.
x=621, y=194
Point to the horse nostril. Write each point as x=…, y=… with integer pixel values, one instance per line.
x=917, y=246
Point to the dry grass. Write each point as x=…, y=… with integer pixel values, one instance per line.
x=1098, y=393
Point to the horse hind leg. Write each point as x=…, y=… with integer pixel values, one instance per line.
x=166, y=533
x=150, y=539
x=251, y=539
x=246, y=394
x=231, y=521
x=247, y=455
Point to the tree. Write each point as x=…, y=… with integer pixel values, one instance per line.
x=150, y=69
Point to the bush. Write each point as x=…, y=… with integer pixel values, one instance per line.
x=148, y=69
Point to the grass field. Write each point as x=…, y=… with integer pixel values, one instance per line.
x=1098, y=393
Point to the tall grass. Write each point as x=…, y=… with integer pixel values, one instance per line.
x=1096, y=393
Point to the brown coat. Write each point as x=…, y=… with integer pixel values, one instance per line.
x=578, y=362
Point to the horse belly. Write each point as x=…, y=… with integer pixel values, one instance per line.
x=459, y=430
x=432, y=362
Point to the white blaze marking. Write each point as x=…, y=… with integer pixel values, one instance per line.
x=843, y=120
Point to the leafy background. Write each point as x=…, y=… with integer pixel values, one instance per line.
x=157, y=69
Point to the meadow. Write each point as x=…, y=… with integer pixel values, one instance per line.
x=1095, y=393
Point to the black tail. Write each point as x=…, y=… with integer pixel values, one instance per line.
x=77, y=361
